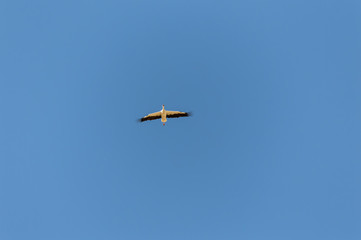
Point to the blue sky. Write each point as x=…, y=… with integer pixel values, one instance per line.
x=272, y=151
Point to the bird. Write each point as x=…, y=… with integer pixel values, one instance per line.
x=164, y=114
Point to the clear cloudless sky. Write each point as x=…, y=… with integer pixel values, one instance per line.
x=272, y=151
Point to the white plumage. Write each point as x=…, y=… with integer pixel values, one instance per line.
x=164, y=114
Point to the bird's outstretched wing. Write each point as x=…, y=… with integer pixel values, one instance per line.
x=177, y=114
x=151, y=116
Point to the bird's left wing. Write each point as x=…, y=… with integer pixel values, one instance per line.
x=177, y=114
x=151, y=116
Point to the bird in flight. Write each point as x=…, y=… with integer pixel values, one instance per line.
x=164, y=114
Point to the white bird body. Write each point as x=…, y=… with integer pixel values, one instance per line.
x=164, y=114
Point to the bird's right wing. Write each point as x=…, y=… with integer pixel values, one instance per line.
x=177, y=114
x=151, y=116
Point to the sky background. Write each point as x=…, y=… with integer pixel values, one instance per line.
x=272, y=151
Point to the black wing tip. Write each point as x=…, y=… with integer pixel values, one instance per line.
x=141, y=119
x=189, y=114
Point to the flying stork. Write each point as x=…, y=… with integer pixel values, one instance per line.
x=164, y=114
